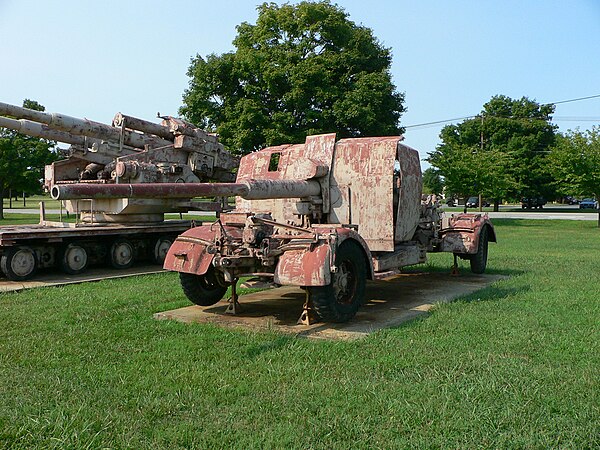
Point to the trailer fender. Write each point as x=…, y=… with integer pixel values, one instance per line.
x=460, y=234
x=189, y=252
x=313, y=266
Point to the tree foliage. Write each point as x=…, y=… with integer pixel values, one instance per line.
x=433, y=183
x=501, y=153
x=22, y=159
x=301, y=69
x=575, y=162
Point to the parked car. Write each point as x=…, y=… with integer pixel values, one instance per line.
x=533, y=202
x=588, y=203
x=473, y=202
x=452, y=202
x=571, y=200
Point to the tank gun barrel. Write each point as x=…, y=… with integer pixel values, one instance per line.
x=250, y=190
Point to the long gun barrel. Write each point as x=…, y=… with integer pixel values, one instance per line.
x=82, y=127
x=36, y=129
x=250, y=190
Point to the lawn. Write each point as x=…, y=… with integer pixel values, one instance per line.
x=32, y=202
x=514, y=365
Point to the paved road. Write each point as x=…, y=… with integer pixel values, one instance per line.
x=543, y=215
x=554, y=212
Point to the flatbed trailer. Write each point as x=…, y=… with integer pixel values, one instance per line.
x=24, y=249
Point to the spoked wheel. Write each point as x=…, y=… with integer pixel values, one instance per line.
x=18, y=263
x=339, y=301
x=161, y=247
x=121, y=254
x=479, y=259
x=203, y=290
x=73, y=259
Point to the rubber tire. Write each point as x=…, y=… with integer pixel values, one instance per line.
x=113, y=248
x=479, y=259
x=350, y=260
x=63, y=261
x=157, y=251
x=7, y=260
x=202, y=290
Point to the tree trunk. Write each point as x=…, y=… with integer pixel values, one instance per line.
x=496, y=205
x=2, y=190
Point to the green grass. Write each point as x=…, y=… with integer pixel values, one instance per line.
x=33, y=202
x=24, y=219
x=515, y=365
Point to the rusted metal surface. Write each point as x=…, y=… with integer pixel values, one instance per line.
x=375, y=212
x=306, y=267
x=362, y=189
x=254, y=189
x=130, y=151
x=409, y=189
x=81, y=127
x=461, y=232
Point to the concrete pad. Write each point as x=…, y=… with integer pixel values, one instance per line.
x=54, y=278
x=390, y=302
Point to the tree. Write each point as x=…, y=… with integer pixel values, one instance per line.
x=433, y=183
x=22, y=159
x=575, y=163
x=301, y=69
x=499, y=153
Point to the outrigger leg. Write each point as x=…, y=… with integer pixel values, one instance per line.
x=454, y=271
x=308, y=316
x=234, y=306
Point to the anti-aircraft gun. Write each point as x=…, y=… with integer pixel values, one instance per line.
x=132, y=151
x=323, y=215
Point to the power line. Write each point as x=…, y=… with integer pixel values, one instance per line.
x=573, y=100
x=437, y=122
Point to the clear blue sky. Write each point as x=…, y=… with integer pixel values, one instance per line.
x=94, y=58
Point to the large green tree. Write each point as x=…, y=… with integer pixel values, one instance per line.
x=22, y=160
x=500, y=153
x=301, y=69
x=433, y=183
x=575, y=163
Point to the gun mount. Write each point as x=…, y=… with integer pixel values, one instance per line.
x=131, y=150
x=323, y=215
x=117, y=230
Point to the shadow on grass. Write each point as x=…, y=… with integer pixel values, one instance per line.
x=492, y=293
x=278, y=343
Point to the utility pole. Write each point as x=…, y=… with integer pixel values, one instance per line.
x=481, y=152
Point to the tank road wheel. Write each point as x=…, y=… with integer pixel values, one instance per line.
x=121, y=254
x=339, y=301
x=479, y=259
x=161, y=247
x=18, y=263
x=203, y=290
x=73, y=259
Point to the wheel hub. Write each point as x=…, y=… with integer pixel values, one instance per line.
x=23, y=263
